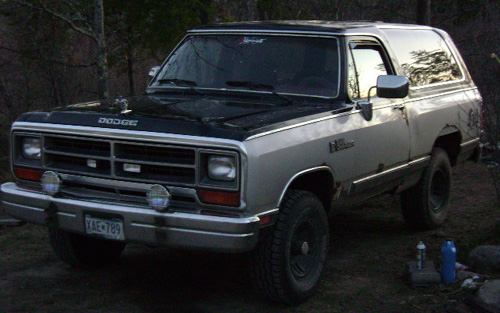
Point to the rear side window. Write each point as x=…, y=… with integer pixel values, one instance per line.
x=424, y=56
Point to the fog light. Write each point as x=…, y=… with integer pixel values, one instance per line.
x=51, y=183
x=158, y=197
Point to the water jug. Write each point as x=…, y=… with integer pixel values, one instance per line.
x=448, y=259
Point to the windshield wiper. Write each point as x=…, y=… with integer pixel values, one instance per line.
x=178, y=82
x=222, y=120
x=257, y=86
x=181, y=83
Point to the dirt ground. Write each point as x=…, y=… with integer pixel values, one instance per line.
x=368, y=250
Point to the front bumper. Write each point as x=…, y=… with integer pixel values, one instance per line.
x=141, y=225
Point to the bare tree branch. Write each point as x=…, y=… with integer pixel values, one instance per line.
x=68, y=21
x=85, y=32
x=81, y=65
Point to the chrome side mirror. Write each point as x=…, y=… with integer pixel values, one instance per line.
x=392, y=86
x=388, y=86
x=153, y=71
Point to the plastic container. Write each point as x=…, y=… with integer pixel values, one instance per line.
x=448, y=259
x=420, y=255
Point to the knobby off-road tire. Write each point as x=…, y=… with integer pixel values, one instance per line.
x=82, y=251
x=426, y=205
x=287, y=264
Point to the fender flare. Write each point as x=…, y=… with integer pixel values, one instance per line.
x=449, y=139
x=449, y=129
x=302, y=173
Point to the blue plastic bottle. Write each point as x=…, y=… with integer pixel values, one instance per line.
x=448, y=259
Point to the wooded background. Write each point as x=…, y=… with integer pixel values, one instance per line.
x=58, y=52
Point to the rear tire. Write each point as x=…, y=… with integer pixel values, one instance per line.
x=83, y=251
x=426, y=205
x=287, y=264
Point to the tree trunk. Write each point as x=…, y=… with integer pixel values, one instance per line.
x=252, y=11
x=424, y=12
x=102, y=55
x=204, y=12
x=130, y=71
x=7, y=102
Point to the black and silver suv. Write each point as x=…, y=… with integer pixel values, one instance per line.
x=249, y=136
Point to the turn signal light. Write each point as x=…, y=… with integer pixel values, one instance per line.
x=265, y=220
x=219, y=197
x=28, y=174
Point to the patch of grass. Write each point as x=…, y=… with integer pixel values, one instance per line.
x=23, y=247
x=24, y=236
x=5, y=174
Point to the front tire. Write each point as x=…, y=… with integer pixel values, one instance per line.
x=288, y=262
x=426, y=205
x=83, y=251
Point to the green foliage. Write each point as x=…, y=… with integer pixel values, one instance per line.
x=301, y=9
x=35, y=32
x=153, y=26
x=286, y=10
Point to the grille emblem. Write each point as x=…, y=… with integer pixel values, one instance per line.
x=132, y=168
x=117, y=121
x=91, y=163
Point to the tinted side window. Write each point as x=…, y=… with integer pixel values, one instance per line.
x=424, y=56
x=366, y=64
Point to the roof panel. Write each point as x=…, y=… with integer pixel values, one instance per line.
x=307, y=26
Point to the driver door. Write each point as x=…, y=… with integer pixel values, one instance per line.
x=384, y=141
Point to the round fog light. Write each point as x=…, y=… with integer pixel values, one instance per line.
x=51, y=183
x=158, y=197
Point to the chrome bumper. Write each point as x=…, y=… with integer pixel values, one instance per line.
x=141, y=224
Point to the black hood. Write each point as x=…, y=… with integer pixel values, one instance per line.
x=230, y=118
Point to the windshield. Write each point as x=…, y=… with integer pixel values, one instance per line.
x=284, y=64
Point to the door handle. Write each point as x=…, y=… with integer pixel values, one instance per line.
x=402, y=109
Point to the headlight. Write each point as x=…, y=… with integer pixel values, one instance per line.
x=31, y=148
x=222, y=168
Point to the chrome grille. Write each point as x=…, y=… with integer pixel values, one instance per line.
x=79, y=146
x=183, y=199
x=153, y=163
x=155, y=154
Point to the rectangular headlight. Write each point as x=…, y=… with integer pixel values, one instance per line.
x=222, y=167
x=31, y=148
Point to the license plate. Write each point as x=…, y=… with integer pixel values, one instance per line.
x=107, y=228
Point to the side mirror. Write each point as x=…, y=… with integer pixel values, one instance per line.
x=153, y=71
x=388, y=86
x=392, y=86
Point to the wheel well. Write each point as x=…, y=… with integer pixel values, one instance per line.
x=451, y=144
x=320, y=183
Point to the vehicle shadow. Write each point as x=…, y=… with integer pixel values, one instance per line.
x=161, y=280
x=173, y=280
